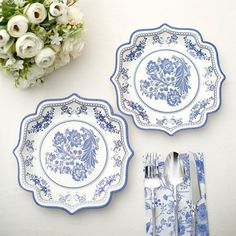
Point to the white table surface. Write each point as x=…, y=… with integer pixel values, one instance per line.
x=109, y=24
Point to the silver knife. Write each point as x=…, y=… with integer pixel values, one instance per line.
x=195, y=189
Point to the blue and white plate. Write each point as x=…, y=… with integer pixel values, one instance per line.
x=73, y=153
x=168, y=79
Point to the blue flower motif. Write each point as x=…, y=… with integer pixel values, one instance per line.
x=66, y=170
x=36, y=180
x=59, y=138
x=79, y=172
x=75, y=138
x=173, y=97
x=74, y=153
x=146, y=84
x=201, y=228
x=65, y=109
x=45, y=190
x=109, y=126
x=200, y=167
x=168, y=80
x=165, y=196
x=118, y=163
x=167, y=66
x=83, y=108
x=47, y=117
x=161, y=96
x=181, y=230
x=38, y=126
x=152, y=67
x=51, y=156
x=202, y=212
x=148, y=225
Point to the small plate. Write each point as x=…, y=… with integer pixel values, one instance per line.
x=167, y=79
x=73, y=153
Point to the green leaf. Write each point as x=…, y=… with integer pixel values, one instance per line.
x=40, y=1
x=48, y=23
x=9, y=9
x=3, y=23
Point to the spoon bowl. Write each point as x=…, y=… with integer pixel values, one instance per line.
x=174, y=173
x=174, y=169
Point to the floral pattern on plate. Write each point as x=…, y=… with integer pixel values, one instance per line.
x=73, y=153
x=165, y=203
x=168, y=79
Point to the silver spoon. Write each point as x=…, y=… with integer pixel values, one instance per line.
x=174, y=173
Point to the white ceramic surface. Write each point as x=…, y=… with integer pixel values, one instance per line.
x=168, y=79
x=73, y=153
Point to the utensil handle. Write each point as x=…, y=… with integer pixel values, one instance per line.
x=176, y=212
x=176, y=220
x=194, y=220
x=153, y=213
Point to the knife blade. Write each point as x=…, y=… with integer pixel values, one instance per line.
x=195, y=189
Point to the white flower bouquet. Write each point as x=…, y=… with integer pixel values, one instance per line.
x=37, y=37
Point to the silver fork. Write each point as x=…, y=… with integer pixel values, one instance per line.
x=152, y=182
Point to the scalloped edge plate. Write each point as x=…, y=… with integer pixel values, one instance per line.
x=51, y=118
x=149, y=110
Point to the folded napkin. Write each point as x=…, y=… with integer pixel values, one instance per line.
x=165, y=202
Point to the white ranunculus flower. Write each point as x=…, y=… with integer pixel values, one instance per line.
x=17, y=26
x=77, y=49
x=63, y=19
x=33, y=75
x=4, y=37
x=28, y=45
x=56, y=48
x=67, y=46
x=73, y=47
x=74, y=14
x=45, y=58
x=36, y=13
x=23, y=83
x=69, y=2
x=57, y=9
x=35, y=72
x=62, y=60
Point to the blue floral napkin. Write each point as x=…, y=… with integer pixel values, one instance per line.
x=165, y=203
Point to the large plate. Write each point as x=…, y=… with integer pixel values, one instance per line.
x=168, y=79
x=73, y=153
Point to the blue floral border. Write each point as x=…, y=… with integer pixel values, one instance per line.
x=86, y=99
x=174, y=28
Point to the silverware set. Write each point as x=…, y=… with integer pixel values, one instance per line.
x=152, y=182
x=174, y=175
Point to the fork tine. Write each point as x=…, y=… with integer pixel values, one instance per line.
x=148, y=166
x=153, y=166
x=157, y=164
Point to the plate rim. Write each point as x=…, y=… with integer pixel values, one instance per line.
x=110, y=193
x=205, y=116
